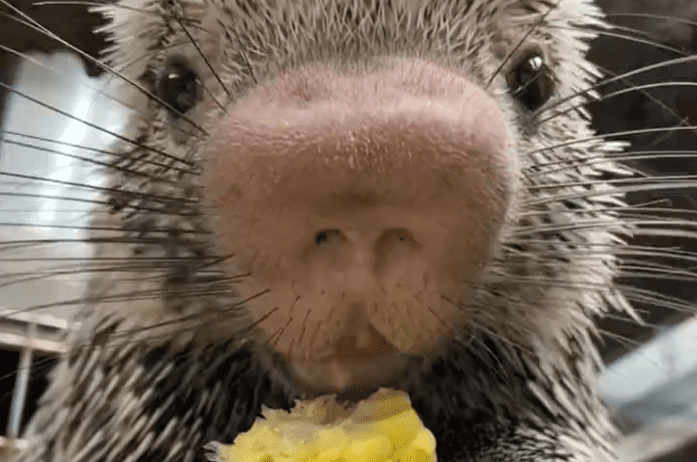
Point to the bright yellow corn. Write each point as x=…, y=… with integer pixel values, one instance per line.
x=382, y=428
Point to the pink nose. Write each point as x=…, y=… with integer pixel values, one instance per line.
x=358, y=202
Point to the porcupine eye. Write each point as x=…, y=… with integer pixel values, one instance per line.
x=179, y=86
x=530, y=81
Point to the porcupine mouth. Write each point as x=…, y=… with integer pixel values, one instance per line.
x=364, y=207
x=354, y=367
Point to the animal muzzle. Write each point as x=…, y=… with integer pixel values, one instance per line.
x=364, y=207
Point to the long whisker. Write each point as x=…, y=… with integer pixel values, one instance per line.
x=203, y=56
x=616, y=78
x=523, y=39
x=602, y=137
x=94, y=162
x=631, y=89
x=543, y=168
x=676, y=19
x=105, y=3
x=38, y=27
x=95, y=126
x=164, y=199
x=4, y=137
x=99, y=91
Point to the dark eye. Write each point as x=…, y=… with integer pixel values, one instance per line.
x=530, y=81
x=179, y=86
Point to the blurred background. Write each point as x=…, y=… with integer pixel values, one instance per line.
x=48, y=184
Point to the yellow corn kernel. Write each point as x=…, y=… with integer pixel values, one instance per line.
x=426, y=441
x=413, y=454
x=382, y=428
x=369, y=449
x=420, y=449
x=329, y=455
x=381, y=405
x=231, y=452
x=400, y=428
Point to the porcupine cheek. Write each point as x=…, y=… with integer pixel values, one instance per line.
x=362, y=209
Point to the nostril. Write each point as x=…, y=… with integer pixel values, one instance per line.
x=394, y=253
x=400, y=258
x=397, y=236
x=328, y=236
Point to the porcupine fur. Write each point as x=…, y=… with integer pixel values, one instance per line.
x=166, y=361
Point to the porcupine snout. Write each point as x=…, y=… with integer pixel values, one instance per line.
x=364, y=205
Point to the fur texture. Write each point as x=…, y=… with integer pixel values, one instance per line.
x=167, y=358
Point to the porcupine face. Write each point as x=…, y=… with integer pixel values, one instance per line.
x=369, y=180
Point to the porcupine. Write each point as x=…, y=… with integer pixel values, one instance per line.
x=338, y=195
